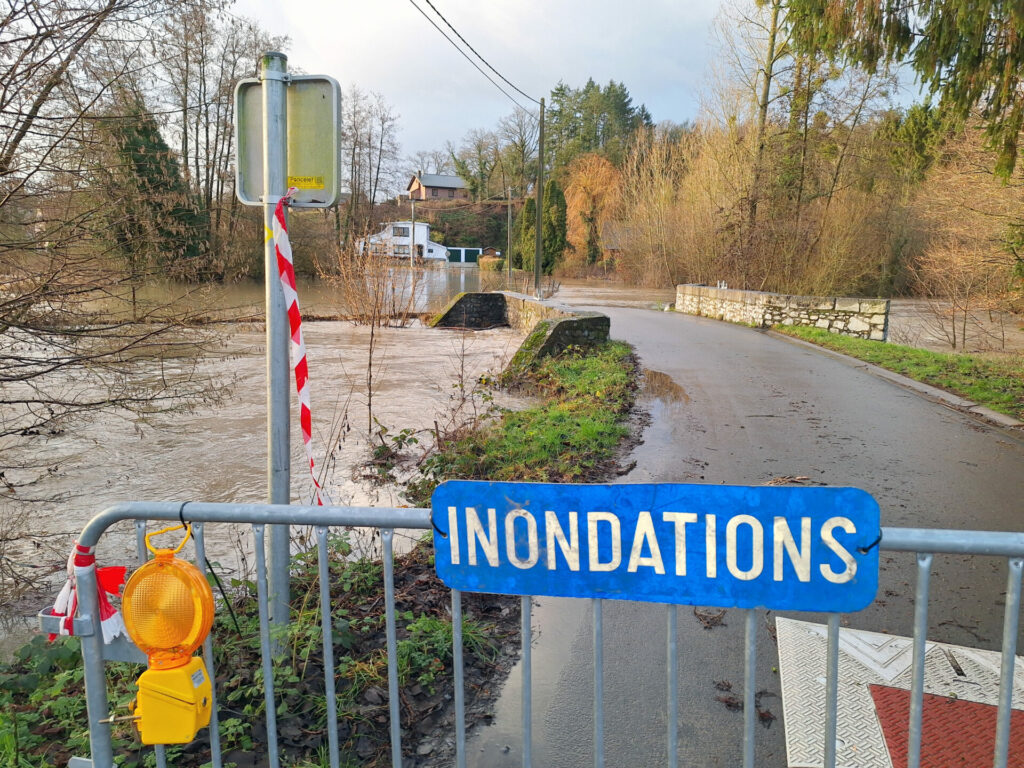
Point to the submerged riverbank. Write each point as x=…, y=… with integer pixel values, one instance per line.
x=575, y=433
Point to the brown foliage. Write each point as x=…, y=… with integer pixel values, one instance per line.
x=591, y=190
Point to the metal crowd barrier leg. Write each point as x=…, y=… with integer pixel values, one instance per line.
x=831, y=690
x=141, y=553
x=215, y=756
x=387, y=539
x=268, y=671
x=97, y=709
x=1011, y=620
x=460, y=696
x=749, y=688
x=924, y=568
x=598, y=684
x=526, y=638
x=672, y=664
x=327, y=634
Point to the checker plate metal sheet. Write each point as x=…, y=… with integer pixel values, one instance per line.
x=865, y=659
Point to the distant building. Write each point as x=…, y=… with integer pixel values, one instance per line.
x=435, y=186
x=395, y=240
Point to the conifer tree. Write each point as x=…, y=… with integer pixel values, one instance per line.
x=156, y=225
x=553, y=235
x=527, y=226
x=969, y=52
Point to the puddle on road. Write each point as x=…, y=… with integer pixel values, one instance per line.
x=663, y=387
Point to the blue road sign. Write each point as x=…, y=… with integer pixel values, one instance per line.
x=800, y=549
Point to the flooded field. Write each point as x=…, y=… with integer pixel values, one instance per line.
x=218, y=453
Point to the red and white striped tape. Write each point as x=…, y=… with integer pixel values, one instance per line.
x=81, y=562
x=286, y=271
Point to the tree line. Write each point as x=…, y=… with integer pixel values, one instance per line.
x=802, y=172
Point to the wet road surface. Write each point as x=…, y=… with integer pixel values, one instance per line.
x=733, y=405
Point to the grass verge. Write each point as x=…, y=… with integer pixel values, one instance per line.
x=42, y=701
x=995, y=382
x=572, y=436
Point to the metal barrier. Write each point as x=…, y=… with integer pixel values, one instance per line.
x=923, y=542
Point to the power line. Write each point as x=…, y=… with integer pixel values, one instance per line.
x=467, y=58
x=486, y=63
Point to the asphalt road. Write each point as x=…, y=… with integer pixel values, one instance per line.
x=733, y=405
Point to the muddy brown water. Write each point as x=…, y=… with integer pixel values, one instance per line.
x=217, y=453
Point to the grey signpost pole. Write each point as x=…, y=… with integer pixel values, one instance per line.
x=273, y=73
x=539, y=218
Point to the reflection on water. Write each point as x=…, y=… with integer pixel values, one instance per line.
x=432, y=288
x=218, y=453
x=664, y=387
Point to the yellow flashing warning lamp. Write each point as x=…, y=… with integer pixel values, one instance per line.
x=168, y=612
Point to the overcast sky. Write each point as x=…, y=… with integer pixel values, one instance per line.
x=659, y=48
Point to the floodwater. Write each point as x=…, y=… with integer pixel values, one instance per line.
x=217, y=453
x=929, y=324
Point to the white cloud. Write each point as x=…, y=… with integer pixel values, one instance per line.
x=658, y=48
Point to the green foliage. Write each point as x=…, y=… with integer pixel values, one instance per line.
x=422, y=655
x=553, y=236
x=157, y=224
x=592, y=119
x=997, y=383
x=469, y=227
x=553, y=232
x=966, y=51
x=913, y=139
x=525, y=244
x=42, y=705
x=570, y=437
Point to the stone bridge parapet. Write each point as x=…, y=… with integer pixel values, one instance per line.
x=865, y=318
x=550, y=327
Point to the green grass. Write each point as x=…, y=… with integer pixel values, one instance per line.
x=572, y=436
x=996, y=382
x=42, y=702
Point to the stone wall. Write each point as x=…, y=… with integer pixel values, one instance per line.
x=472, y=310
x=550, y=327
x=865, y=318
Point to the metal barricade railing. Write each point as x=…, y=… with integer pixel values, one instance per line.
x=923, y=542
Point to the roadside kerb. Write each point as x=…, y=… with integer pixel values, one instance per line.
x=927, y=390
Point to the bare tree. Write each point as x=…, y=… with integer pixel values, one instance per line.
x=370, y=157
x=517, y=138
x=202, y=52
x=68, y=344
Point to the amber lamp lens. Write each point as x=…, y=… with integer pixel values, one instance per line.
x=168, y=610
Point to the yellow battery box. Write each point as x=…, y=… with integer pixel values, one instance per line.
x=173, y=704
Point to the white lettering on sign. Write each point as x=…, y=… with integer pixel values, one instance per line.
x=531, y=539
x=711, y=547
x=488, y=540
x=570, y=548
x=593, y=518
x=830, y=541
x=756, y=547
x=745, y=543
x=799, y=557
x=453, y=531
x=680, y=519
x=644, y=536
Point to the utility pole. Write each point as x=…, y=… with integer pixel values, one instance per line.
x=274, y=73
x=508, y=228
x=537, y=254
